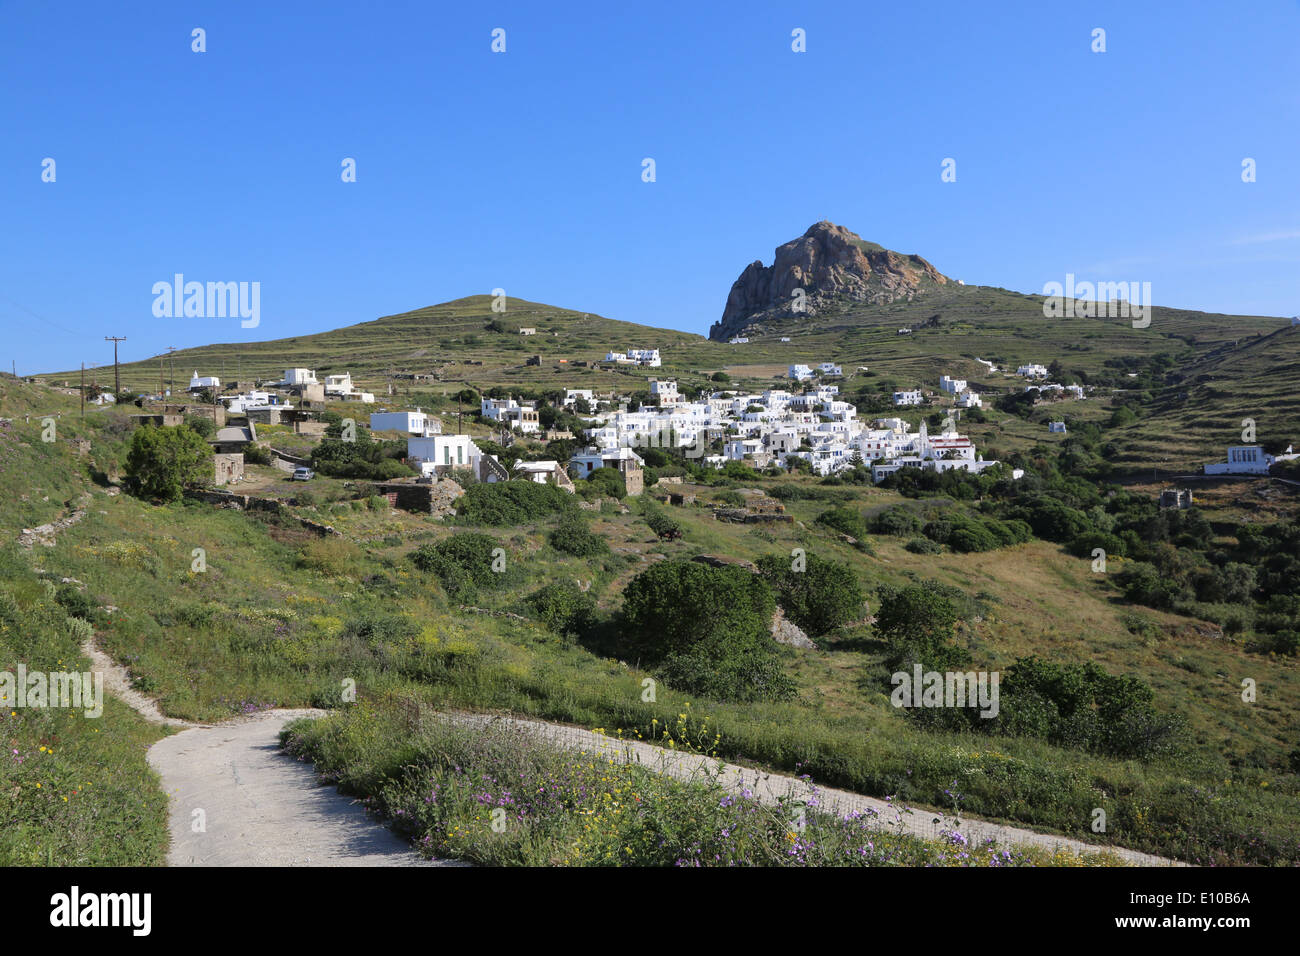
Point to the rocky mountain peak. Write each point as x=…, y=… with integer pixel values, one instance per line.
x=832, y=266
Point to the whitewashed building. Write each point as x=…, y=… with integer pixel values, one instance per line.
x=437, y=454
x=912, y=397
x=1243, y=460
x=413, y=423
x=298, y=376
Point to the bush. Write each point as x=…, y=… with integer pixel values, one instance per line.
x=818, y=595
x=659, y=522
x=563, y=608
x=896, y=520
x=505, y=503
x=462, y=563
x=1054, y=521
x=604, y=483
x=844, y=520
x=76, y=603
x=363, y=457
x=573, y=536
x=201, y=425
x=705, y=631
x=255, y=454
x=379, y=629
x=1082, y=706
x=1083, y=545
x=924, y=546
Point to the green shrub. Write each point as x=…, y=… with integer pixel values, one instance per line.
x=817, y=594
x=463, y=563
x=506, y=503
x=917, y=622
x=896, y=520
x=924, y=546
x=255, y=454
x=379, y=629
x=660, y=523
x=604, y=483
x=563, y=608
x=844, y=520
x=705, y=631
x=573, y=536
x=1083, y=707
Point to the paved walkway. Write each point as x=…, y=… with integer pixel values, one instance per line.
x=236, y=800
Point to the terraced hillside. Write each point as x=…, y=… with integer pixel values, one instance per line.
x=1218, y=368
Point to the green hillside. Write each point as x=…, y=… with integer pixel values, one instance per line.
x=1217, y=369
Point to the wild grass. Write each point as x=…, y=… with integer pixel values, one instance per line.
x=498, y=795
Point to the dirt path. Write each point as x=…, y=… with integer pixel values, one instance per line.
x=118, y=683
x=769, y=787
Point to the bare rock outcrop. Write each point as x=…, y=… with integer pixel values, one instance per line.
x=832, y=266
x=785, y=631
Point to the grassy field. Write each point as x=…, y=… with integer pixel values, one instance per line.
x=78, y=790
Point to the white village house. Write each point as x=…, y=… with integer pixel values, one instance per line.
x=438, y=454
x=1243, y=460
x=417, y=422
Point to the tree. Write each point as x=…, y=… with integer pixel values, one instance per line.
x=163, y=462
x=917, y=622
x=705, y=630
x=819, y=597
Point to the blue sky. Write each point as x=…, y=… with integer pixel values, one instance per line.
x=523, y=170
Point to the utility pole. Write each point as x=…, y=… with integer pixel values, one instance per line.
x=171, y=371
x=117, y=380
x=83, y=389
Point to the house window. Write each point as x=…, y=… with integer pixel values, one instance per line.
x=460, y=454
x=446, y=454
